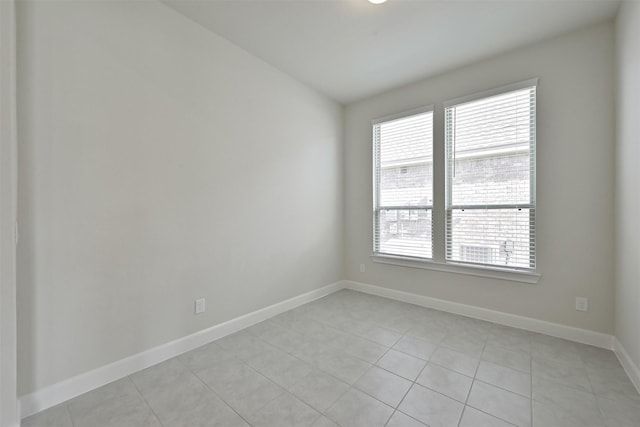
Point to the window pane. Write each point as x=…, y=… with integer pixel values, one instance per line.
x=492, y=180
x=406, y=185
x=405, y=161
x=490, y=149
x=500, y=237
x=405, y=232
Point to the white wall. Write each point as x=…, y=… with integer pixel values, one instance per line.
x=159, y=163
x=575, y=151
x=627, y=206
x=8, y=192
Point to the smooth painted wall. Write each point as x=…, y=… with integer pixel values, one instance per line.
x=160, y=163
x=575, y=155
x=627, y=205
x=8, y=202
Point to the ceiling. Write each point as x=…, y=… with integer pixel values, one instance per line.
x=351, y=49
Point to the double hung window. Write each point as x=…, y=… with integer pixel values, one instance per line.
x=488, y=200
x=490, y=177
x=403, y=182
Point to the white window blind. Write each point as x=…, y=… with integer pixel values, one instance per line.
x=403, y=185
x=490, y=177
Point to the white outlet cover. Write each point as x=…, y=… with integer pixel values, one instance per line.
x=582, y=304
x=362, y=268
x=200, y=305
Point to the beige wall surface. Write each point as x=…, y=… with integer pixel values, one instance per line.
x=575, y=154
x=159, y=163
x=627, y=249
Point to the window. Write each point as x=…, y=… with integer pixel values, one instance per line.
x=485, y=201
x=490, y=180
x=403, y=184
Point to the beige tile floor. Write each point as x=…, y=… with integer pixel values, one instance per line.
x=352, y=359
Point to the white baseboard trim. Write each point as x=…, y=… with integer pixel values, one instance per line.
x=632, y=370
x=583, y=336
x=57, y=393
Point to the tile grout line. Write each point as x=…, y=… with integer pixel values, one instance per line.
x=145, y=399
x=475, y=374
x=66, y=405
x=215, y=392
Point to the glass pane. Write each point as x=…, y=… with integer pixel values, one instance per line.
x=500, y=237
x=492, y=180
x=406, y=161
x=405, y=232
x=406, y=185
x=491, y=149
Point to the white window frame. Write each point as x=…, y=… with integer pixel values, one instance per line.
x=376, y=184
x=438, y=262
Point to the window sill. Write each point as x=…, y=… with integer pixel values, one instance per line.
x=494, y=273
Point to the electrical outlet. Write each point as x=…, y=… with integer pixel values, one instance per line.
x=362, y=268
x=582, y=304
x=200, y=305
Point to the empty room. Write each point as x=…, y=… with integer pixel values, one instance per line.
x=353, y=213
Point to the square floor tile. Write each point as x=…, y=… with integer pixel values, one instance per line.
x=500, y=403
x=561, y=371
x=243, y=345
x=205, y=356
x=356, y=409
x=383, y=385
x=474, y=418
x=507, y=378
x=285, y=370
x=614, y=384
x=427, y=332
x=242, y=388
x=382, y=336
x=398, y=419
x=122, y=411
x=619, y=414
x=446, y=381
x=285, y=411
x=58, y=416
x=510, y=339
x=431, y=408
x=342, y=366
x=415, y=347
x=119, y=389
x=455, y=361
x=324, y=422
x=471, y=345
x=556, y=350
x=548, y=391
x=159, y=376
x=364, y=349
x=402, y=364
x=518, y=360
x=549, y=414
x=188, y=402
x=319, y=390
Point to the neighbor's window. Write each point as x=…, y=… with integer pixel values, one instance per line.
x=403, y=184
x=490, y=180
